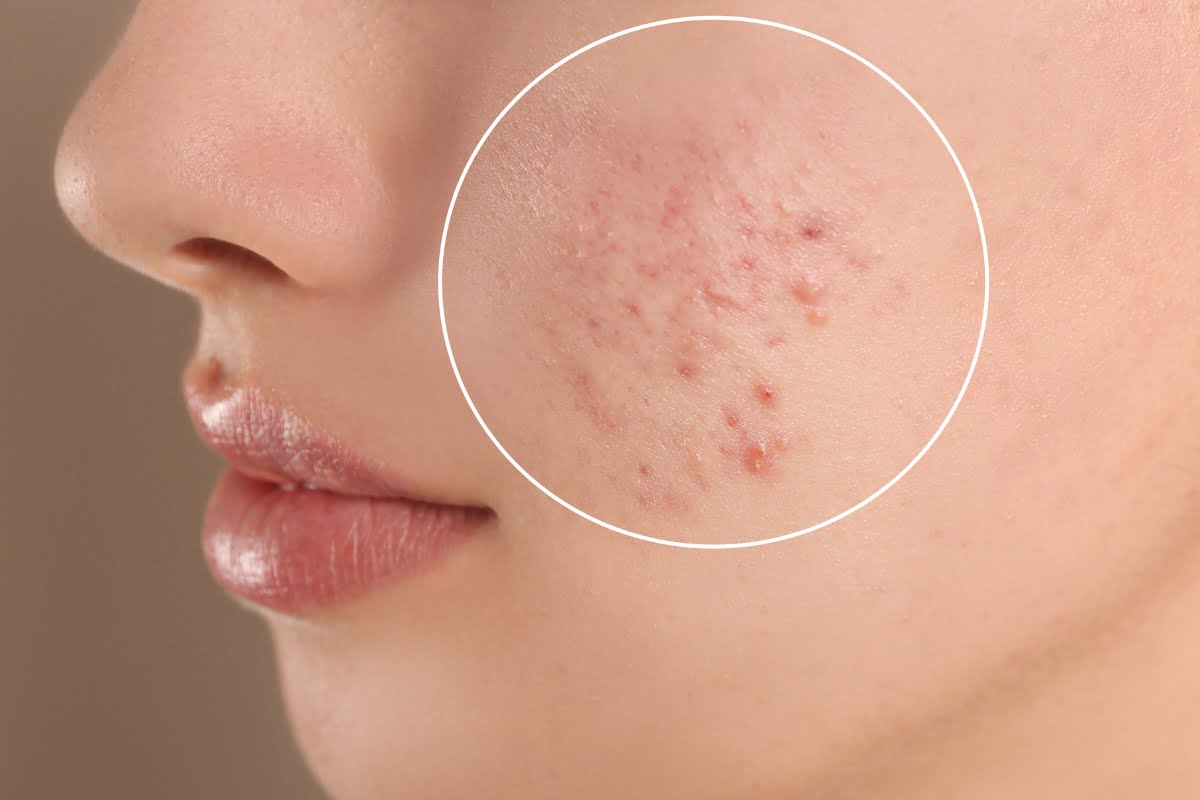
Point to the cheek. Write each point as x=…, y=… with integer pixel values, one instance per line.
x=674, y=316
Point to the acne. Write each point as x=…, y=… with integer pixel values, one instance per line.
x=694, y=263
x=765, y=395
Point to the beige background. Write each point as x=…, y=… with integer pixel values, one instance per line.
x=124, y=673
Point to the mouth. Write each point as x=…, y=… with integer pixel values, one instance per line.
x=300, y=522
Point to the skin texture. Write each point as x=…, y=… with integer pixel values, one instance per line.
x=702, y=298
x=1015, y=618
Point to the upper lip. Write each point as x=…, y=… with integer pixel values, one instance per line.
x=267, y=439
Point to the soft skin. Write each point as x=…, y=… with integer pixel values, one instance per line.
x=1015, y=618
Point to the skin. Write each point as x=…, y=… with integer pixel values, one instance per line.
x=1014, y=618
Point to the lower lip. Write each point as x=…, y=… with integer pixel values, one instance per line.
x=308, y=549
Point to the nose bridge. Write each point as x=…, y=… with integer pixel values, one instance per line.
x=228, y=124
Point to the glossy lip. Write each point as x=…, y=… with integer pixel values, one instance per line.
x=301, y=522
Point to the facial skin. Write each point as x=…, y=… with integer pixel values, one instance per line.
x=1014, y=618
x=703, y=297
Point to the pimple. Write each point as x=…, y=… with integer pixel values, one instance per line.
x=765, y=395
x=686, y=369
x=808, y=289
x=731, y=417
x=762, y=456
x=812, y=232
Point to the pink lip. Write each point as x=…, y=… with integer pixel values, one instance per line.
x=300, y=522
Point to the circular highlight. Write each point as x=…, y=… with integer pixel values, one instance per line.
x=714, y=545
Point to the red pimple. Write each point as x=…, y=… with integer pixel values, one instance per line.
x=633, y=310
x=808, y=289
x=643, y=470
x=812, y=232
x=731, y=418
x=765, y=395
x=754, y=458
x=759, y=457
x=685, y=369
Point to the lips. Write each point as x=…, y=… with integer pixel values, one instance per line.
x=300, y=522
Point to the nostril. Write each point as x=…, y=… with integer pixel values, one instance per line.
x=225, y=258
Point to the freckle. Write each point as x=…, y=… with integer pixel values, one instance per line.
x=765, y=395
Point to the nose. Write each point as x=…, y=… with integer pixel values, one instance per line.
x=232, y=142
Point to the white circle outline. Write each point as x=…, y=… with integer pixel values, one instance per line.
x=987, y=281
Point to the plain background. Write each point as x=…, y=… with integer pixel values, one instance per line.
x=124, y=672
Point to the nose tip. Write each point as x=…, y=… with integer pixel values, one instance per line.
x=168, y=166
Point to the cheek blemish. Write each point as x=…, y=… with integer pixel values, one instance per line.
x=765, y=395
x=762, y=457
x=678, y=277
x=588, y=400
x=811, y=293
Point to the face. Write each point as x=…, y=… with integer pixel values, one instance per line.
x=710, y=283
